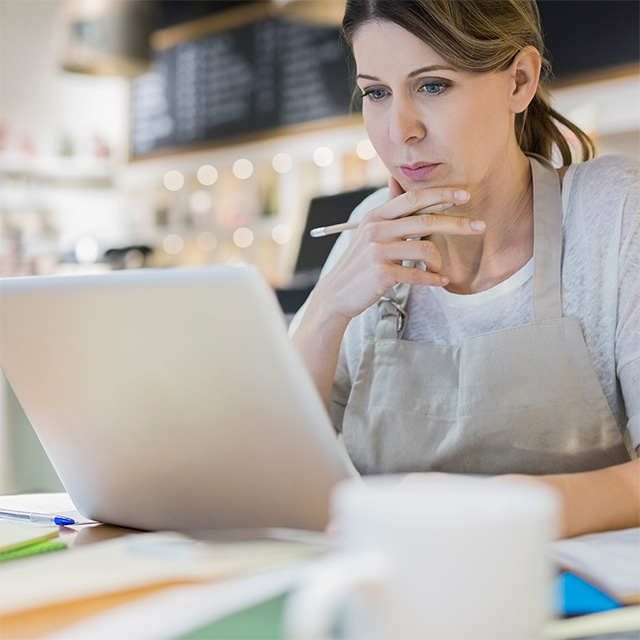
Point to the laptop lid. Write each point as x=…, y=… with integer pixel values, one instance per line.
x=170, y=399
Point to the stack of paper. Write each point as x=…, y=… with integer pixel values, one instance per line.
x=135, y=561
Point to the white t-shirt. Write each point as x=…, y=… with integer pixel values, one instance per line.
x=600, y=286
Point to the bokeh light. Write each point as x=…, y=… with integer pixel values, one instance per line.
x=243, y=237
x=173, y=180
x=243, y=168
x=86, y=250
x=173, y=244
x=207, y=175
x=282, y=163
x=323, y=156
x=365, y=150
x=281, y=234
x=207, y=241
x=200, y=201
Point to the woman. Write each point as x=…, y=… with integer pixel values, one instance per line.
x=504, y=337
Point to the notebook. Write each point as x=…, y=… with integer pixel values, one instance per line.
x=170, y=399
x=14, y=535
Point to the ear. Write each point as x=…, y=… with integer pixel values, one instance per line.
x=525, y=73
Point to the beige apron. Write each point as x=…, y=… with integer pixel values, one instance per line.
x=519, y=400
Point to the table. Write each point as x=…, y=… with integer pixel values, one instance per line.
x=211, y=584
x=107, y=613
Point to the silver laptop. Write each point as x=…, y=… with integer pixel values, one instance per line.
x=170, y=398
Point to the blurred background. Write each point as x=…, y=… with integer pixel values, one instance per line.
x=146, y=133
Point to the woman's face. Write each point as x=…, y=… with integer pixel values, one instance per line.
x=431, y=124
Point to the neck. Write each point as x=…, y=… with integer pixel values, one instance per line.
x=505, y=202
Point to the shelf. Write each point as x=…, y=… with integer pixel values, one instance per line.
x=64, y=172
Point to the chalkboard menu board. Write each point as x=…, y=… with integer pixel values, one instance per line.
x=266, y=75
x=590, y=38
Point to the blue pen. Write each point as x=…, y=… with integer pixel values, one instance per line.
x=37, y=518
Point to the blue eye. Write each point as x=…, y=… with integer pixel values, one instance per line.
x=433, y=88
x=374, y=94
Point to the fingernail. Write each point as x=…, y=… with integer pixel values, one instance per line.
x=461, y=195
x=444, y=280
x=478, y=225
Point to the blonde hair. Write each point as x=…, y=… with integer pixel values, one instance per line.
x=480, y=36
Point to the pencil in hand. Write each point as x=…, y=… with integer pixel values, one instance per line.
x=321, y=232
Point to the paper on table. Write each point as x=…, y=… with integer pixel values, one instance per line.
x=609, y=560
x=135, y=561
x=58, y=504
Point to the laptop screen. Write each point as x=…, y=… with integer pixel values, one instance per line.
x=324, y=211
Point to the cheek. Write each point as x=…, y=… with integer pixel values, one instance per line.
x=380, y=140
x=475, y=131
x=481, y=136
x=487, y=118
x=470, y=121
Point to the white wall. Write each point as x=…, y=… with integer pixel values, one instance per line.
x=40, y=100
x=608, y=109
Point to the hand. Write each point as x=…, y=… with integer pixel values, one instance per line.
x=372, y=264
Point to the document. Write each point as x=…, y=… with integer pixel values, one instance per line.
x=58, y=504
x=609, y=560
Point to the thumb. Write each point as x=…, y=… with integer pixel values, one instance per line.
x=395, y=189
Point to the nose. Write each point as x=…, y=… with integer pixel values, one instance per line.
x=406, y=125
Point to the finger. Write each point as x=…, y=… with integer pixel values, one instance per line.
x=420, y=225
x=395, y=189
x=410, y=202
x=415, y=275
x=426, y=224
x=436, y=208
x=417, y=251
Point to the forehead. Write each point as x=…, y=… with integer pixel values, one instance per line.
x=385, y=48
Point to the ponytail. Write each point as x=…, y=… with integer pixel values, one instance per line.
x=538, y=132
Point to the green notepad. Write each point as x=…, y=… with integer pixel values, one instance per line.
x=32, y=550
x=18, y=540
x=14, y=535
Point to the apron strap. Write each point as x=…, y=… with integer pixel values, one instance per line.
x=547, y=256
x=547, y=240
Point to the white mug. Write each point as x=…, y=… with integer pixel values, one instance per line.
x=436, y=557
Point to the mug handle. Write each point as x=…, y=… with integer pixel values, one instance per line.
x=313, y=608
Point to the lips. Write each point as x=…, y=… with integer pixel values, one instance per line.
x=418, y=170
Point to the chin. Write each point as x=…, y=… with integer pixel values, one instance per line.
x=412, y=185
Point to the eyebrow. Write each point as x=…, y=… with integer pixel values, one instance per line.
x=413, y=74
